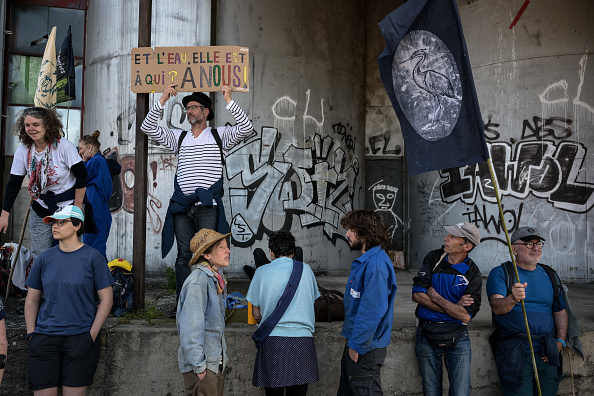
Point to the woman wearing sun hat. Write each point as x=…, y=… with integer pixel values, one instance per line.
x=201, y=316
x=63, y=326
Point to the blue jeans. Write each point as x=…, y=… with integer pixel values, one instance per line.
x=548, y=377
x=457, y=362
x=41, y=234
x=186, y=225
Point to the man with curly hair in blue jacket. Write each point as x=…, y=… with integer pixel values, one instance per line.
x=368, y=304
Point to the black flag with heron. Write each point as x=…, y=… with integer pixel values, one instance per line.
x=426, y=73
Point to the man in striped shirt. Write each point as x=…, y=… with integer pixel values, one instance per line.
x=198, y=187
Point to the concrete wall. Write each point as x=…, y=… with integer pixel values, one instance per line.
x=141, y=360
x=301, y=169
x=536, y=91
x=385, y=179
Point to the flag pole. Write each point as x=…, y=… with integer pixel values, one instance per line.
x=18, y=249
x=513, y=260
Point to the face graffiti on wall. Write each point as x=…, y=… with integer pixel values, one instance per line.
x=384, y=198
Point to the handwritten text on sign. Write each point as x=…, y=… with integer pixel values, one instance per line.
x=191, y=68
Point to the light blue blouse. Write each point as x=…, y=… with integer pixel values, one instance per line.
x=267, y=287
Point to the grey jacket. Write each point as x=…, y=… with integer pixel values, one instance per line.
x=201, y=323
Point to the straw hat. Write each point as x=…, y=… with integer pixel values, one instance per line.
x=204, y=239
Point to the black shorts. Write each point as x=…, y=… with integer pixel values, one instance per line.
x=56, y=361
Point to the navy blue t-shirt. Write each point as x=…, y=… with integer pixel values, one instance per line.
x=69, y=281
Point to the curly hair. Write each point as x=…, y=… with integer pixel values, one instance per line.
x=50, y=119
x=93, y=140
x=282, y=243
x=368, y=226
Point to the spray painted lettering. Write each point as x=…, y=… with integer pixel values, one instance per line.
x=316, y=183
x=542, y=168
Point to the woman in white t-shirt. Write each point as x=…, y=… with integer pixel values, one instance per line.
x=57, y=175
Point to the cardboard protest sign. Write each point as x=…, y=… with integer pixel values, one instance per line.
x=193, y=69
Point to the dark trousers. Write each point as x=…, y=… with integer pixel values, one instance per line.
x=186, y=225
x=294, y=390
x=363, y=376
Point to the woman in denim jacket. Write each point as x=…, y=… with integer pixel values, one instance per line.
x=201, y=316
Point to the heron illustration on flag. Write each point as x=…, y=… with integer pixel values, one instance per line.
x=45, y=95
x=427, y=76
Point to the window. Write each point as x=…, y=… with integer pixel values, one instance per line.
x=30, y=24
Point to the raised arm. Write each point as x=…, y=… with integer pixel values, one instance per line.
x=231, y=135
x=164, y=136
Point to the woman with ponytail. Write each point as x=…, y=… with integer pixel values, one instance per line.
x=99, y=188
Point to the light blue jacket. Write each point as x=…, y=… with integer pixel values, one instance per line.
x=201, y=323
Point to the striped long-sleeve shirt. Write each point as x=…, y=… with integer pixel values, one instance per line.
x=199, y=159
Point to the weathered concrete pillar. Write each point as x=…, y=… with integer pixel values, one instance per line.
x=303, y=167
x=110, y=106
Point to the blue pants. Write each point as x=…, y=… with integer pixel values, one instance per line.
x=457, y=362
x=186, y=225
x=103, y=223
x=548, y=377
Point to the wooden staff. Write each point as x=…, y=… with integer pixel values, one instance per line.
x=513, y=260
x=18, y=250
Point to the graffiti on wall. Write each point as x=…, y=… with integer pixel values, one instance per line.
x=315, y=183
x=541, y=170
x=122, y=196
x=312, y=180
x=544, y=169
x=384, y=198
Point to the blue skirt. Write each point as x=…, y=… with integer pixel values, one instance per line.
x=286, y=361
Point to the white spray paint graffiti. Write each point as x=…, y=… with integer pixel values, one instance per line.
x=551, y=100
x=272, y=178
x=384, y=198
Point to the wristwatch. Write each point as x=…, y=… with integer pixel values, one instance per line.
x=562, y=342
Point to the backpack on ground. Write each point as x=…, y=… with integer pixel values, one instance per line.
x=121, y=270
x=329, y=306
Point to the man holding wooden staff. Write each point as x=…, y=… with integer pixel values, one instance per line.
x=545, y=312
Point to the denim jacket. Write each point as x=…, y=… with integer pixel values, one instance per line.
x=201, y=323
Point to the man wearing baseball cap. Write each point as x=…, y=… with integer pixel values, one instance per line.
x=448, y=292
x=198, y=186
x=545, y=311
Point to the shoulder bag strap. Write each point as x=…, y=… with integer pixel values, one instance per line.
x=217, y=138
x=283, y=303
x=439, y=261
x=179, y=142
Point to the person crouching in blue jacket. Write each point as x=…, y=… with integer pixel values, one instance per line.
x=368, y=304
